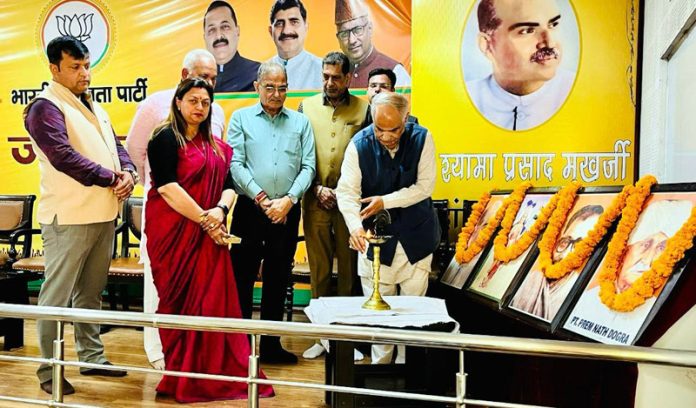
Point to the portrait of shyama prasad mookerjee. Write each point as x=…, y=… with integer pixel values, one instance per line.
x=519, y=60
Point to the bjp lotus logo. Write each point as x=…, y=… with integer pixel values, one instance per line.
x=87, y=20
x=76, y=26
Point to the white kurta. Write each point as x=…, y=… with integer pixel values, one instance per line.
x=349, y=192
x=304, y=71
x=411, y=278
x=498, y=106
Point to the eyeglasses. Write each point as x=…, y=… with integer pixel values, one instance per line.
x=272, y=89
x=357, y=31
x=566, y=242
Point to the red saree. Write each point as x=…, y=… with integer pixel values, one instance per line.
x=194, y=277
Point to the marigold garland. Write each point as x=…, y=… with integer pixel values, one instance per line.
x=504, y=253
x=583, y=249
x=652, y=280
x=467, y=251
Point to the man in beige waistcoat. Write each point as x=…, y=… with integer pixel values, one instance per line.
x=85, y=172
x=336, y=116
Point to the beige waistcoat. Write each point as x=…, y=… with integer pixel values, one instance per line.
x=333, y=128
x=91, y=135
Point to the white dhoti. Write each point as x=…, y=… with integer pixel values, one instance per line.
x=400, y=278
x=151, y=337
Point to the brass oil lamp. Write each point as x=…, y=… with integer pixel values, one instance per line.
x=376, y=240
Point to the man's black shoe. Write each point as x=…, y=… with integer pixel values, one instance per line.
x=104, y=372
x=278, y=356
x=47, y=387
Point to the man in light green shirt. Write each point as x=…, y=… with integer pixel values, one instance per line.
x=272, y=166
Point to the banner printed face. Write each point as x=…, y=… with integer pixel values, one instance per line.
x=456, y=273
x=662, y=217
x=494, y=277
x=544, y=92
x=542, y=298
x=137, y=49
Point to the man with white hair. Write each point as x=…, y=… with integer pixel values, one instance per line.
x=151, y=112
x=659, y=221
x=398, y=159
x=272, y=167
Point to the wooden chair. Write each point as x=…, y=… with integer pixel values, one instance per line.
x=126, y=269
x=15, y=214
x=440, y=256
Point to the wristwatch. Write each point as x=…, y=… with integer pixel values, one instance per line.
x=225, y=209
x=293, y=199
x=134, y=174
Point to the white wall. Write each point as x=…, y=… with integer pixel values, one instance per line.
x=664, y=143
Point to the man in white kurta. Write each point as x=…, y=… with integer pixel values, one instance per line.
x=407, y=272
x=289, y=29
x=522, y=42
x=151, y=112
x=520, y=112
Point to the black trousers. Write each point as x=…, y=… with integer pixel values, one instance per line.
x=275, y=245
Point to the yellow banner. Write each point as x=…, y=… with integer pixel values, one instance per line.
x=541, y=90
x=137, y=48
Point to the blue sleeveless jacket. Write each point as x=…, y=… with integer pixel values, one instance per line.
x=416, y=226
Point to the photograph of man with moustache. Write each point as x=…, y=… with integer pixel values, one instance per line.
x=527, y=81
x=289, y=30
x=221, y=33
x=663, y=215
x=542, y=297
x=354, y=31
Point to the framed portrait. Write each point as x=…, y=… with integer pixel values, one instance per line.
x=496, y=52
x=457, y=274
x=541, y=300
x=492, y=278
x=663, y=215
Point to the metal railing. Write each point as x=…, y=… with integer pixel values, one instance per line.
x=461, y=342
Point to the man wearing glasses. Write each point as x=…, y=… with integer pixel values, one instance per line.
x=354, y=33
x=543, y=297
x=273, y=165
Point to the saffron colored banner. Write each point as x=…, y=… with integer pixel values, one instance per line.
x=137, y=48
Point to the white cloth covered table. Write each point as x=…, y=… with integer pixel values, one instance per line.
x=407, y=311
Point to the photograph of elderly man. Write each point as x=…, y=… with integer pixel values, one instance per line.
x=374, y=178
x=663, y=215
x=542, y=297
x=354, y=31
x=151, y=112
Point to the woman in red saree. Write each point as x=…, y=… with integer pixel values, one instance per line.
x=191, y=267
